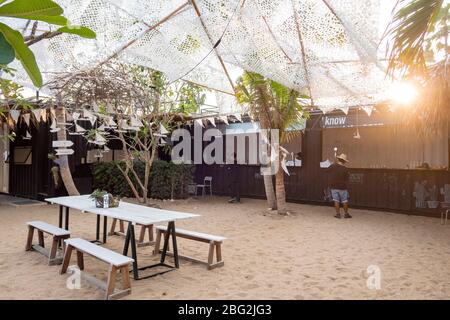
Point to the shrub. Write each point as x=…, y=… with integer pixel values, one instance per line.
x=167, y=180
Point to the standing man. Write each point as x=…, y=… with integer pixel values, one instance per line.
x=339, y=185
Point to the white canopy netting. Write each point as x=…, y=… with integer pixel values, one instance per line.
x=327, y=49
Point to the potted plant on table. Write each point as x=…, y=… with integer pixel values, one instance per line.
x=103, y=199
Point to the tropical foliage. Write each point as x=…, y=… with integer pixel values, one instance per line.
x=169, y=181
x=13, y=45
x=276, y=107
x=418, y=51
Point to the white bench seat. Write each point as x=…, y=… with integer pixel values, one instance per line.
x=194, y=234
x=49, y=228
x=58, y=234
x=116, y=261
x=215, y=244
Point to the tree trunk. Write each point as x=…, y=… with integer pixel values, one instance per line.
x=268, y=181
x=63, y=161
x=270, y=192
x=280, y=191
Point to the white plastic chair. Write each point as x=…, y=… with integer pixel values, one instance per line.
x=207, y=183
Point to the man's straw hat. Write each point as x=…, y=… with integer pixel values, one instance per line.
x=342, y=157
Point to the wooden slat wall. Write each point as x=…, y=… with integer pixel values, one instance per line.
x=384, y=189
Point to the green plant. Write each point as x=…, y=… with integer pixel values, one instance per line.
x=98, y=193
x=168, y=180
x=277, y=108
x=14, y=45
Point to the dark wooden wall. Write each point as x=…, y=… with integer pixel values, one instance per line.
x=383, y=189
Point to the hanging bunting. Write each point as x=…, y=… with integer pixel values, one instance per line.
x=163, y=130
x=99, y=139
x=52, y=113
x=53, y=127
x=102, y=128
x=199, y=122
x=44, y=115
x=111, y=122
x=79, y=129
x=326, y=109
x=163, y=142
x=15, y=114
x=368, y=110
x=92, y=120
x=212, y=121
x=344, y=110
x=87, y=114
x=136, y=122
x=224, y=119
x=37, y=114
x=238, y=117
x=76, y=116
x=26, y=118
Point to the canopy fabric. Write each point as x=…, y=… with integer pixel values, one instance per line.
x=327, y=49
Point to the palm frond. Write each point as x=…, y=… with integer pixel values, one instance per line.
x=407, y=32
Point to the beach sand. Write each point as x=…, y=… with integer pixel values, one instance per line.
x=307, y=255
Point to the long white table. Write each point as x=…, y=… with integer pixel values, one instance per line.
x=133, y=214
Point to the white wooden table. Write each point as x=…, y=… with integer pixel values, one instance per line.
x=131, y=213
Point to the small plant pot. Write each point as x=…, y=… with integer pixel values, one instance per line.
x=433, y=204
x=98, y=202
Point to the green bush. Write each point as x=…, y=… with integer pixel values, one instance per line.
x=167, y=180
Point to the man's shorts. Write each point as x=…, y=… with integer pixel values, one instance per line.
x=339, y=195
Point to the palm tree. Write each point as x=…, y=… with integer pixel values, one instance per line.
x=418, y=49
x=276, y=107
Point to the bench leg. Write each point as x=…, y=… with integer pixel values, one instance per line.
x=141, y=242
x=112, y=230
x=211, y=253
x=54, y=249
x=219, y=252
x=113, y=227
x=125, y=277
x=142, y=234
x=111, y=284
x=80, y=260
x=41, y=238
x=157, y=242
x=30, y=238
x=66, y=259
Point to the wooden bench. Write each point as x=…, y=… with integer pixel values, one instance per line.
x=141, y=242
x=215, y=244
x=116, y=261
x=58, y=235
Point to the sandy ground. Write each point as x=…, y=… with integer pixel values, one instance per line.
x=308, y=255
